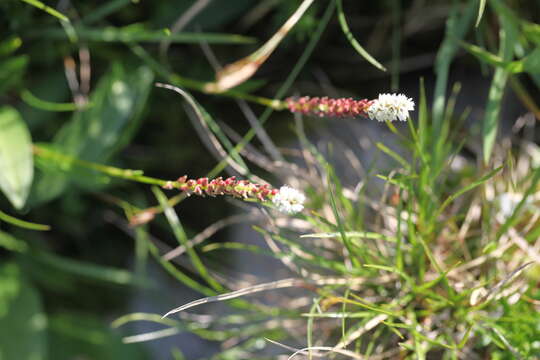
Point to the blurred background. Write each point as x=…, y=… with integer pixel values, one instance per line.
x=60, y=289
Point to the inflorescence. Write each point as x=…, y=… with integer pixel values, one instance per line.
x=387, y=107
x=286, y=199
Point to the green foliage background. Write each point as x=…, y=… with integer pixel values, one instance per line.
x=59, y=288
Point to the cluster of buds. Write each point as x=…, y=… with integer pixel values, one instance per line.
x=286, y=199
x=324, y=106
x=387, y=107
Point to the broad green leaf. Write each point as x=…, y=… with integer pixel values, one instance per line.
x=10, y=45
x=97, y=132
x=22, y=320
x=11, y=71
x=10, y=243
x=16, y=160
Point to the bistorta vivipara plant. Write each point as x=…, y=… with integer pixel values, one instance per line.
x=286, y=199
x=387, y=107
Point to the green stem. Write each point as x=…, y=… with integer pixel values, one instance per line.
x=201, y=86
x=128, y=174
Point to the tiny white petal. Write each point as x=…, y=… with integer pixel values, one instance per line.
x=390, y=107
x=508, y=203
x=289, y=200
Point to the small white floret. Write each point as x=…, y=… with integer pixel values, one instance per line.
x=289, y=200
x=390, y=107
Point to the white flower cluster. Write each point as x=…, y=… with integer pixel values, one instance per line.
x=289, y=200
x=390, y=107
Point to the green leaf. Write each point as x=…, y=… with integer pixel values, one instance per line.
x=10, y=45
x=354, y=43
x=469, y=187
x=49, y=10
x=10, y=243
x=457, y=26
x=350, y=234
x=507, y=38
x=22, y=320
x=84, y=336
x=137, y=33
x=483, y=55
x=96, y=133
x=11, y=71
x=181, y=237
x=531, y=31
x=82, y=269
x=531, y=63
x=16, y=160
x=481, y=9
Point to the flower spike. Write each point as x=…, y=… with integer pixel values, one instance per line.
x=286, y=199
x=324, y=106
x=387, y=107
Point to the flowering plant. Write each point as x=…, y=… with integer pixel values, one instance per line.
x=286, y=199
x=387, y=107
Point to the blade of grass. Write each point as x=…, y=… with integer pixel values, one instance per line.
x=241, y=70
x=513, y=219
x=351, y=234
x=350, y=37
x=385, y=149
x=396, y=42
x=104, y=10
x=88, y=270
x=507, y=38
x=49, y=10
x=181, y=237
x=288, y=82
x=331, y=184
x=457, y=26
x=206, y=120
x=481, y=8
x=11, y=243
x=197, y=85
x=467, y=188
x=138, y=35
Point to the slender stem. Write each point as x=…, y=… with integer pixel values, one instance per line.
x=197, y=85
x=128, y=174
